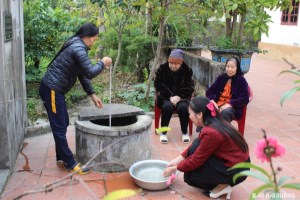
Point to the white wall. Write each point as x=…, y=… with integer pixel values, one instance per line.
x=282, y=34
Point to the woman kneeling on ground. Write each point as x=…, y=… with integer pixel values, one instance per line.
x=219, y=146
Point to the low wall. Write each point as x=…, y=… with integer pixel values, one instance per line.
x=205, y=70
x=279, y=51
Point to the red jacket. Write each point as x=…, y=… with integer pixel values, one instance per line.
x=214, y=143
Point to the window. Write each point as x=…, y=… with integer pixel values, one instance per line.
x=290, y=18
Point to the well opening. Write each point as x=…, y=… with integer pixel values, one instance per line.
x=116, y=121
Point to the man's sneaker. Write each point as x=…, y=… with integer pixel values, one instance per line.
x=185, y=138
x=81, y=170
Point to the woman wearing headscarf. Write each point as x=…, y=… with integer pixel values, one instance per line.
x=230, y=92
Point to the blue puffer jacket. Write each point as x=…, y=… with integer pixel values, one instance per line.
x=70, y=63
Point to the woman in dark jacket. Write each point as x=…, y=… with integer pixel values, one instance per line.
x=229, y=92
x=219, y=146
x=174, y=87
x=70, y=63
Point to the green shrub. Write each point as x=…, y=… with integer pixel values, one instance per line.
x=30, y=108
x=75, y=95
x=135, y=95
x=32, y=112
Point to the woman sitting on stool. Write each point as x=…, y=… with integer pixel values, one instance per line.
x=219, y=146
x=174, y=87
x=229, y=92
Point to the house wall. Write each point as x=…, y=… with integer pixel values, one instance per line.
x=282, y=34
x=13, y=112
x=283, y=41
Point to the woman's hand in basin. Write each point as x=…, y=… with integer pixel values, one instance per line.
x=176, y=161
x=169, y=170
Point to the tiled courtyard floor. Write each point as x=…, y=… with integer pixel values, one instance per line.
x=36, y=165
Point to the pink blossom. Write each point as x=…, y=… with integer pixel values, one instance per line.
x=264, y=153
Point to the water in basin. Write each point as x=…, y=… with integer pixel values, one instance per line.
x=151, y=174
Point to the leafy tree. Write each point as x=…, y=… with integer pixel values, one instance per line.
x=253, y=15
x=139, y=53
x=46, y=28
x=181, y=17
x=119, y=13
x=164, y=19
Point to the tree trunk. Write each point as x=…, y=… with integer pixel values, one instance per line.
x=233, y=31
x=119, y=30
x=241, y=28
x=137, y=68
x=37, y=63
x=101, y=30
x=228, y=27
x=158, y=49
x=102, y=21
x=118, y=58
x=148, y=19
x=158, y=52
x=190, y=38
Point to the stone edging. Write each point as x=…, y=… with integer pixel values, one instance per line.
x=31, y=131
x=37, y=130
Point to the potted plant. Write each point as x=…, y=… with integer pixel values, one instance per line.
x=253, y=20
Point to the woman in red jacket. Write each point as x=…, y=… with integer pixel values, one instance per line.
x=219, y=146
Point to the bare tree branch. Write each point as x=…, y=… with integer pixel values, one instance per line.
x=291, y=64
x=62, y=181
x=46, y=188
